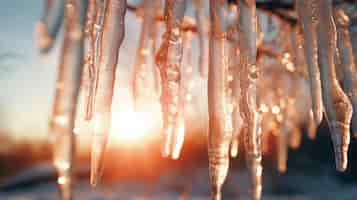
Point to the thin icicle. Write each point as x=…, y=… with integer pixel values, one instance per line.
x=282, y=149
x=299, y=60
x=218, y=137
x=169, y=60
x=201, y=34
x=94, y=65
x=249, y=81
x=187, y=68
x=141, y=82
x=347, y=63
x=90, y=60
x=112, y=38
x=237, y=119
x=337, y=106
x=307, y=13
x=47, y=29
x=154, y=37
x=311, y=126
x=67, y=93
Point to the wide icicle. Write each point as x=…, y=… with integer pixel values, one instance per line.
x=169, y=60
x=219, y=137
x=141, y=68
x=347, y=62
x=307, y=14
x=67, y=93
x=338, y=109
x=48, y=27
x=201, y=34
x=112, y=38
x=249, y=100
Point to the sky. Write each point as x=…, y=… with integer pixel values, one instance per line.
x=27, y=78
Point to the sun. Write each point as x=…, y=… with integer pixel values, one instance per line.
x=131, y=126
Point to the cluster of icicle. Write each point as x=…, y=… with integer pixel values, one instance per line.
x=258, y=68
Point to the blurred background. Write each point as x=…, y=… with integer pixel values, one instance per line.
x=133, y=166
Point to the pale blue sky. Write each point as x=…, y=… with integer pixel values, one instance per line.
x=27, y=79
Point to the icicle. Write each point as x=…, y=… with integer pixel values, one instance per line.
x=249, y=80
x=47, y=29
x=90, y=60
x=169, y=60
x=219, y=137
x=282, y=149
x=295, y=138
x=100, y=8
x=307, y=13
x=67, y=94
x=237, y=120
x=311, y=126
x=337, y=106
x=112, y=38
x=187, y=68
x=201, y=34
x=347, y=64
x=140, y=83
x=298, y=52
x=154, y=38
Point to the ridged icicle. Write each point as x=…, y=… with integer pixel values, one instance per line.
x=337, y=106
x=219, y=137
x=249, y=100
x=112, y=38
x=346, y=61
x=169, y=61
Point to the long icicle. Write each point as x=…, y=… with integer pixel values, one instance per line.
x=154, y=37
x=48, y=27
x=307, y=13
x=249, y=100
x=218, y=137
x=337, y=106
x=112, y=38
x=347, y=63
x=67, y=93
x=237, y=119
x=140, y=78
x=169, y=60
x=90, y=64
x=95, y=42
x=187, y=68
x=201, y=34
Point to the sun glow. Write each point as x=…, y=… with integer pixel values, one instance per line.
x=133, y=127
